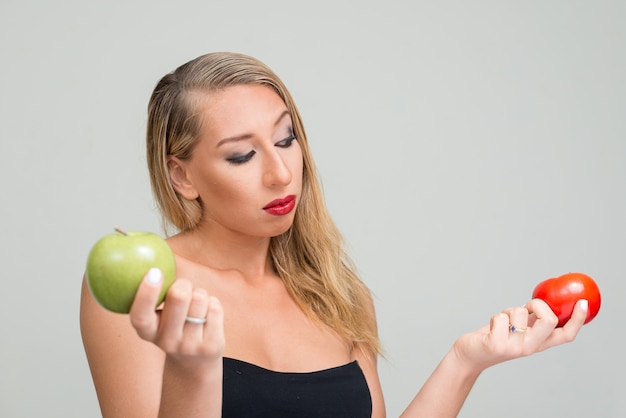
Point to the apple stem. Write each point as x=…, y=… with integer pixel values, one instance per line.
x=121, y=231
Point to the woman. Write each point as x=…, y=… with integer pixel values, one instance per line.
x=267, y=318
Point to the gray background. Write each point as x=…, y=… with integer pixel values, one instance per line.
x=468, y=150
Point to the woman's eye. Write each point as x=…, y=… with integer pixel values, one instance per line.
x=240, y=159
x=286, y=143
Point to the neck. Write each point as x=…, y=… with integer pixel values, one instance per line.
x=248, y=255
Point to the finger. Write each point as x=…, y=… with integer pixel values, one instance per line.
x=544, y=320
x=518, y=319
x=579, y=315
x=576, y=322
x=499, y=327
x=198, y=308
x=143, y=316
x=568, y=332
x=177, y=302
x=214, y=328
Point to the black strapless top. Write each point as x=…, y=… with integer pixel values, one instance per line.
x=251, y=391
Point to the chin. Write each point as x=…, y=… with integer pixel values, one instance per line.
x=280, y=230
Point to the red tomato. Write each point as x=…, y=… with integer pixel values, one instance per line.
x=562, y=293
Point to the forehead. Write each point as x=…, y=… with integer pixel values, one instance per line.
x=239, y=109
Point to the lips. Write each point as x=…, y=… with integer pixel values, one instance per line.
x=282, y=206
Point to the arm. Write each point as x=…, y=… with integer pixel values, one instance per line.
x=446, y=389
x=156, y=364
x=368, y=363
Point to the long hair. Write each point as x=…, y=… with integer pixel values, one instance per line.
x=310, y=256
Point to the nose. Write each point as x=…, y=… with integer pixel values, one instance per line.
x=276, y=170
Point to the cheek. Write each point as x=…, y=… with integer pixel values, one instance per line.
x=232, y=190
x=226, y=200
x=298, y=171
x=298, y=165
x=220, y=185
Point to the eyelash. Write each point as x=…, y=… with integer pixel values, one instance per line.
x=286, y=143
x=242, y=159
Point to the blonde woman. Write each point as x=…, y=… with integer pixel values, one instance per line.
x=267, y=317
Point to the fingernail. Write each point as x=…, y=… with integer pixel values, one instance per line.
x=154, y=276
x=584, y=304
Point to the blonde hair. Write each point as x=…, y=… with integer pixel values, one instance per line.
x=310, y=257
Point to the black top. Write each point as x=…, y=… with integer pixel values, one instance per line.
x=251, y=391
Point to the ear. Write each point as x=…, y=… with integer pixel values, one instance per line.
x=180, y=178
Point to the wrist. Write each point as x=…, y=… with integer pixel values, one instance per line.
x=194, y=369
x=459, y=362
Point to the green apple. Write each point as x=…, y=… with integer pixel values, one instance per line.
x=118, y=262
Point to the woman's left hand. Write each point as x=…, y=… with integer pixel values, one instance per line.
x=518, y=332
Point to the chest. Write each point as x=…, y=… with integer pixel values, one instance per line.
x=272, y=331
x=264, y=325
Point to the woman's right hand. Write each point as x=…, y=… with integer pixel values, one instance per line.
x=186, y=343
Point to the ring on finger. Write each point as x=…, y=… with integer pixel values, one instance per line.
x=515, y=329
x=195, y=320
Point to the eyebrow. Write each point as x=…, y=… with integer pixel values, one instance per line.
x=248, y=136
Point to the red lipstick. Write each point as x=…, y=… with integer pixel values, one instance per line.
x=282, y=206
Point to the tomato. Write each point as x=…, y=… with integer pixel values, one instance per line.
x=561, y=294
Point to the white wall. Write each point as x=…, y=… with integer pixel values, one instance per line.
x=469, y=149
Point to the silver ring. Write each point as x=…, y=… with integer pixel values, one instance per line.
x=515, y=329
x=194, y=320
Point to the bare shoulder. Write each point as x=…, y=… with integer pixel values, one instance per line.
x=186, y=267
x=126, y=370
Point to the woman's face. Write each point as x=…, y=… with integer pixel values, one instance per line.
x=246, y=167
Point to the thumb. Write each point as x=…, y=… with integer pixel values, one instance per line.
x=143, y=315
